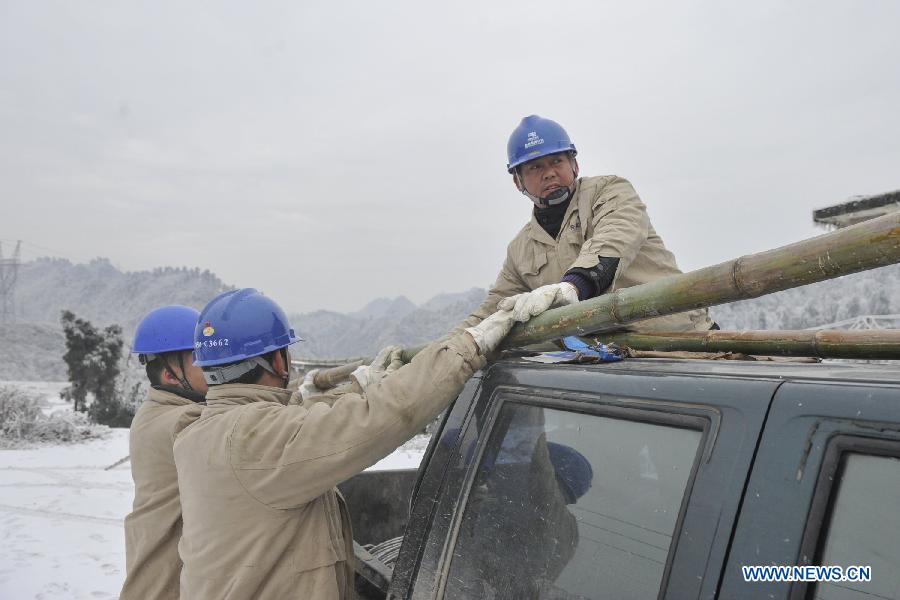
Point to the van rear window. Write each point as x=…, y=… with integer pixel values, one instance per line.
x=864, y=528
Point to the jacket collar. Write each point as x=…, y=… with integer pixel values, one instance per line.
x=167, y=398
x=231, y=394
x=539, y=234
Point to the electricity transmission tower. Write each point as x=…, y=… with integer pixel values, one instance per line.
x=9, y=270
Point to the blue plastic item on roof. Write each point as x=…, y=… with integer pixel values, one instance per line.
x=579, y=352
x=601, y=351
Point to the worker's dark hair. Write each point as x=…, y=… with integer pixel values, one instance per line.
x=155, y=367
x=154, y=370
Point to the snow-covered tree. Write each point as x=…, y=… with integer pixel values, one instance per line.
x=92, y=357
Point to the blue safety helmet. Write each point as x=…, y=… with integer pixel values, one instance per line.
x=239, y=325
x=535, y=137
x=165, y=329
x=573, y=470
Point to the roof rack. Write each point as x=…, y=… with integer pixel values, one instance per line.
x=857, y=210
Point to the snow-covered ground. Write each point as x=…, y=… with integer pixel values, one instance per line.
x=61, y=512
x=61, y=520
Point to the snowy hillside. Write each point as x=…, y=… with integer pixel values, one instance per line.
x=32, y=346
x=102, y=294
x=875, y=292
x=336, y=335
x=32, y=352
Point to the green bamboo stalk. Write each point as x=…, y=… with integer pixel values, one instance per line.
x=328, y=378
x=881, y=344
x=867, y=245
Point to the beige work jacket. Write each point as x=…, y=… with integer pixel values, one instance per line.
x=605, y=218
x=262, y=517
x=153, y=528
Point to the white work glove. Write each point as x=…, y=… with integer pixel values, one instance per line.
x=489, y=333
x=308, y=387
x=385, y=362
x=531, y=304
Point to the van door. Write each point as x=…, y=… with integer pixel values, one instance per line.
x=589, y=483
x=824, y=490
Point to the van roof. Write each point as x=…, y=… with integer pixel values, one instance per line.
x=886, y=372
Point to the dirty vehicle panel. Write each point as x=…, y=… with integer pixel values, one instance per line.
x=629, y=480
x=825, y=489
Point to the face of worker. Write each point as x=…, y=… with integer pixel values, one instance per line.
x=282, y=371
x=194, y=374
x=543, y=175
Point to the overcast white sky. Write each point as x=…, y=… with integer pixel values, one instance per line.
x=329, y=153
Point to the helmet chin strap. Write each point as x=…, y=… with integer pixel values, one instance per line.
x=182, y=380
x=552, y=199
x=555, y=197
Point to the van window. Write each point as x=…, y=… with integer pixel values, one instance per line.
x=864, y=529
x=571, y=505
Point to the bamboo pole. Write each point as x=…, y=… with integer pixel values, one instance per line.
x=881, y=344
x=117, y=463
x=867, y=245
x=328, y=378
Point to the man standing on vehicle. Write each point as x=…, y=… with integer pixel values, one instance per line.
x=163, y=341
x=587, y=235
x=262, y=517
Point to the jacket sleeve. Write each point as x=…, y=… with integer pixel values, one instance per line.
x=508, y=283
x=287, y=456
x=328, y=396
x=620, y=226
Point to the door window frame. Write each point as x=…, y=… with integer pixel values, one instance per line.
x=696, y=418
x=826, y=491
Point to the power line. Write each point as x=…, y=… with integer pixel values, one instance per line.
x=40, y=250
x=9, y=272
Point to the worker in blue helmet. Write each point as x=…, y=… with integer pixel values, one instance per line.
x=586, y=236
x=257, y=471
x=163, y=341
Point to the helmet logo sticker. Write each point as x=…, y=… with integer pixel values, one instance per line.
x=533, y=140
x=208, y=329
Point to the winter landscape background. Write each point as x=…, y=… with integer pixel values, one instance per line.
x=62, y=508
x=32, y=346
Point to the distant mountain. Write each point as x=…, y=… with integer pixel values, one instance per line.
x=382, y=322
x=380, y=307
x=102, y=294
x=471, y=297
x=31, y=347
